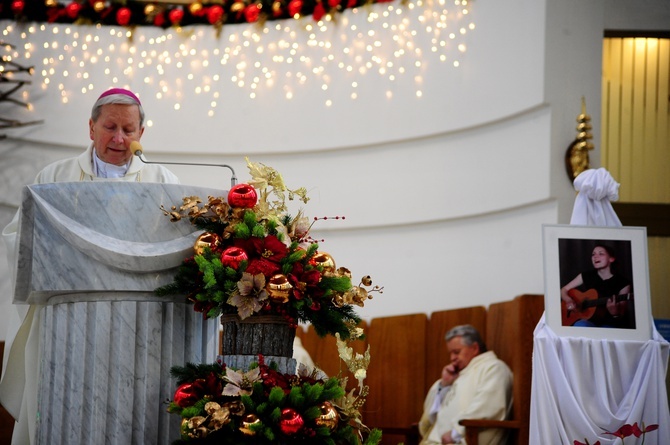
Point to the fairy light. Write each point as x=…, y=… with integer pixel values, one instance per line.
x=390, y=41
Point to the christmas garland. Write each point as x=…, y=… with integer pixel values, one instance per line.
x=219, y=405
x=255, y=258
x=164, y=15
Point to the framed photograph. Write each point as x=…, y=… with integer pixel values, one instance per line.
x=597, y=282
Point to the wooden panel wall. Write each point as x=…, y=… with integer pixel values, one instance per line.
x=396, y=375
x=323, y=351
x=635, y=144
x=636, y=117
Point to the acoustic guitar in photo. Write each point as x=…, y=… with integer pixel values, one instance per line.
x=585, y=305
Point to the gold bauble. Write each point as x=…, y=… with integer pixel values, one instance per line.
x=279, y=288
x=328, y=417
x=324, y=260
x=195, y=8
x=98, y=6
x=149, y=9
x=247, y=421
x=206, y=239
x=51, y=3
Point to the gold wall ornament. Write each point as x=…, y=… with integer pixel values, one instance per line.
x=577, y=155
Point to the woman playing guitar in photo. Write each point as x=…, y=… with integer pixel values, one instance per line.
x=599, y=297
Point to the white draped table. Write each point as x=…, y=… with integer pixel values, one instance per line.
x=583, y=388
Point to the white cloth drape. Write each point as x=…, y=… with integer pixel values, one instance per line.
x=596, y=189
x=583, y=388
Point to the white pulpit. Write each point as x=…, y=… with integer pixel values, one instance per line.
x=90, y=256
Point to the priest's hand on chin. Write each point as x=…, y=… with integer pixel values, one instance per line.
x=447, y=439
x=449, y=375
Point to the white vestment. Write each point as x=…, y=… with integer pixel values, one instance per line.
x=483, y=390
x=18, y=384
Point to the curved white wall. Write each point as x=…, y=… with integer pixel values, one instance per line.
x=444, y=194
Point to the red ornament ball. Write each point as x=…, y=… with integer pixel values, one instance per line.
x=176, y=15
x=73, y=9
x=233, y=256
x=17, y=6
x=294, y=7
x=251, y=14
x=290, y=422
x=123, y=16
x=214, y=14
x=319, y=12
x=186, y=395
x=243, y=195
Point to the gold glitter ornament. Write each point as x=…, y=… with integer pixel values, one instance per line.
x=206, y=239
x=247, y=422
x=279, y=288
x=328, y=417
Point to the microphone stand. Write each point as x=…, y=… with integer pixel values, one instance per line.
x=233, y=179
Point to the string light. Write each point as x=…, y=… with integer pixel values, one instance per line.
x=387, y=40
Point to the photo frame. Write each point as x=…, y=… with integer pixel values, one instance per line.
x=576, y=258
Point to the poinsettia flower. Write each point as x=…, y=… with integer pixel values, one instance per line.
x=270, y=248
x=240, y=383
x=263, y=267
x=576, y=442
x=250, y=295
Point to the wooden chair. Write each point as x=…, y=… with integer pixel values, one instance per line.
x=510, y=327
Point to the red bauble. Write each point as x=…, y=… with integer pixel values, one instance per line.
x=333, y=3
x=290, y=422
x=176, y=15
x=233, y=256
x=186, y=395
x=319, y=12
x=159, y=20
x=214, y=14
x=73, y=9
x=17, y=6
x=251, y=14
x=123, y=16
x=294, y=7
x=243, y=195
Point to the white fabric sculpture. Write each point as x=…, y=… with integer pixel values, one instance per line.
x=596, y=190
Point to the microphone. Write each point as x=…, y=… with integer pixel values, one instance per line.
x=136, y=148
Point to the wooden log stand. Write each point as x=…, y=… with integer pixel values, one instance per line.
x=268, y=335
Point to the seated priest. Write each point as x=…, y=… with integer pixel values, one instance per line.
x=474, y=385
x=117, y=120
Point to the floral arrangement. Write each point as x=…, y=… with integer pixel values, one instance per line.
x=166, y=14
x=255, y=258
x=626, y=430
x=220, y=405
